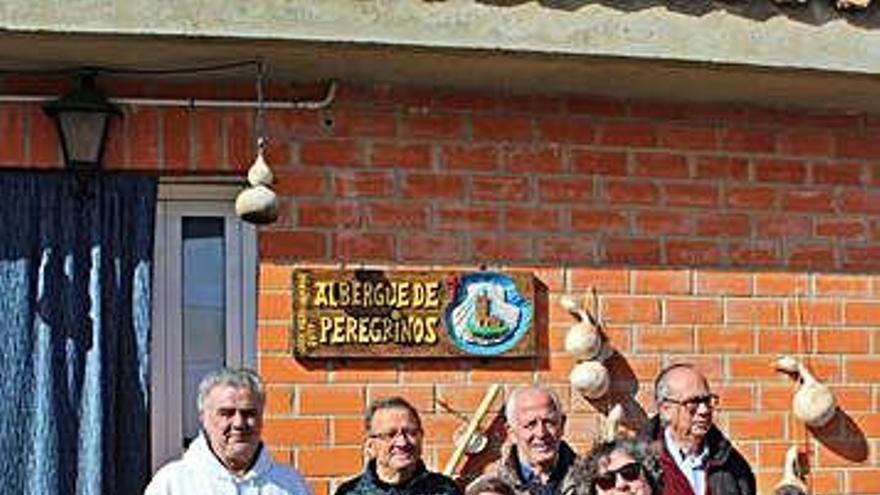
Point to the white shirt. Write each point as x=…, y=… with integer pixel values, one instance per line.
x=200, y=472
x=693, y=467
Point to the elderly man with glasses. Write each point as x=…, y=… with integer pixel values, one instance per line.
x=696, y=457
x=393, y=443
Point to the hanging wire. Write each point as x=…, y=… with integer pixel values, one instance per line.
x=260, y=117
x=99, y=69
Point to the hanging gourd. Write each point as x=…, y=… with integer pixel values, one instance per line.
x=814, y=402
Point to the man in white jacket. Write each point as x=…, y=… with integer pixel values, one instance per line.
x=228, y=456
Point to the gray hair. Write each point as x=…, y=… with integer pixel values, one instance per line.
x=232, y=377
x=662, y=390
x=395, y=402
x=510, y=405
x=642, y=452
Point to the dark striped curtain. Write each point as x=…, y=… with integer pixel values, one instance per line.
x=75, y=272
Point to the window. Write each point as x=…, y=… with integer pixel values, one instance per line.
x=204, y=293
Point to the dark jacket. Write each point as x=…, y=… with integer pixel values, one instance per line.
x=727, y=471
x=423, y=482
x=562, y=476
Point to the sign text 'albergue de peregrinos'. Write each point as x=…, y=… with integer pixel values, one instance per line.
x=370, y=313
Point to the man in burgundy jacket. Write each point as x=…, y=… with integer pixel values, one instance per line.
x=696, y=457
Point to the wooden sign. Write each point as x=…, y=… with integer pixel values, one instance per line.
x=369, y=313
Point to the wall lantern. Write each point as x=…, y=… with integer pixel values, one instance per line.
x=82, y=118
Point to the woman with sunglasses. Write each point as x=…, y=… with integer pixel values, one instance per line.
x=623, y=466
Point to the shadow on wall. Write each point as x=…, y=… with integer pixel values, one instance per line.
x=843, y=436
x=814, y=12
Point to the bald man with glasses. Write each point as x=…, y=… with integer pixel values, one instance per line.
x=393, y=443
x=697, y=458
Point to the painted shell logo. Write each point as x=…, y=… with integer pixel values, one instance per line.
x=488, y=315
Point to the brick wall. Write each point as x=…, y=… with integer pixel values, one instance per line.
x=719, y=234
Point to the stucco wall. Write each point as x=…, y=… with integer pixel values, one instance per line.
x=814, y=36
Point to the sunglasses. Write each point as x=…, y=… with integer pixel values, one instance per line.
x=409, y=433
x=691, y=404
x=629, y=472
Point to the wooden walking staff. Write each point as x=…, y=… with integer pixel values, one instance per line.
x=465, y=439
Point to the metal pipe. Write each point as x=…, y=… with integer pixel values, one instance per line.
x=197, y=102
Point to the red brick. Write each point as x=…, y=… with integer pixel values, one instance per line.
x=725, y=340
x=748, y=426
x=175, y=138
x=664, y=223
x=815, y=312
x=428, y=185
x=420, y=396
x=414, y=156
x=753, y=311
x=747, y=140
x=448, y=126
x=666, y=165
x=865, y=481
x=599, y=163
x=786, y=341
x=591, y=220
x=723, y=283
x=12, y=144
x=691, y=194
x=861, y=312
x=329, y=214
x=841, y=227
x=354, y=246
x=843, y=342
x=209, y=138
x=348, y=123
x=431, y=247
x=299, y=182
x=811, y=255
x=804, y=143
x=666, y=339
x=272, y=276
x=274, y=338
x=661, y=281
x=530, y=219
x=240, y=141
x=839, y=173
x=45, y=149
x=280, y=400
x=829, y=284
x=559, y=249
x=735, y=397
x=723, y=224
x=143, y=137
x=506, y=128
x=623, y=310
x=780, y=284
x=461, y=157
x=631, y=192
x=567, y=189
x=500, y=248
x=286, y=369
x=347, y=430
x=693, y=311
x=628, y=134
x=690, y=252
x=755, y=253
x=565, y=130
x=396, y=215
x=753, y=197
x=331, y=399
x=295, y=431
x=330, y=152
x=357, y=183
x=329, y=461
x=810, y=200
x=275, y=306
x=865, y=257
x=686, y=137
x=459, y=100
x=604, y=280
x=783, y=225
x=500, y=188
x=851, y=200
x=632, y=250
x=450, y=217
x=364, y=371
x=532, y=160
x=714, y=167
x=292, y=245
x=854, y=146
x=116, y=147
x=751, y=368
x=788, y=171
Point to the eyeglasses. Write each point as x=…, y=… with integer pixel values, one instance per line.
x=629, y=472
x=408, y=433
x=691, y=404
